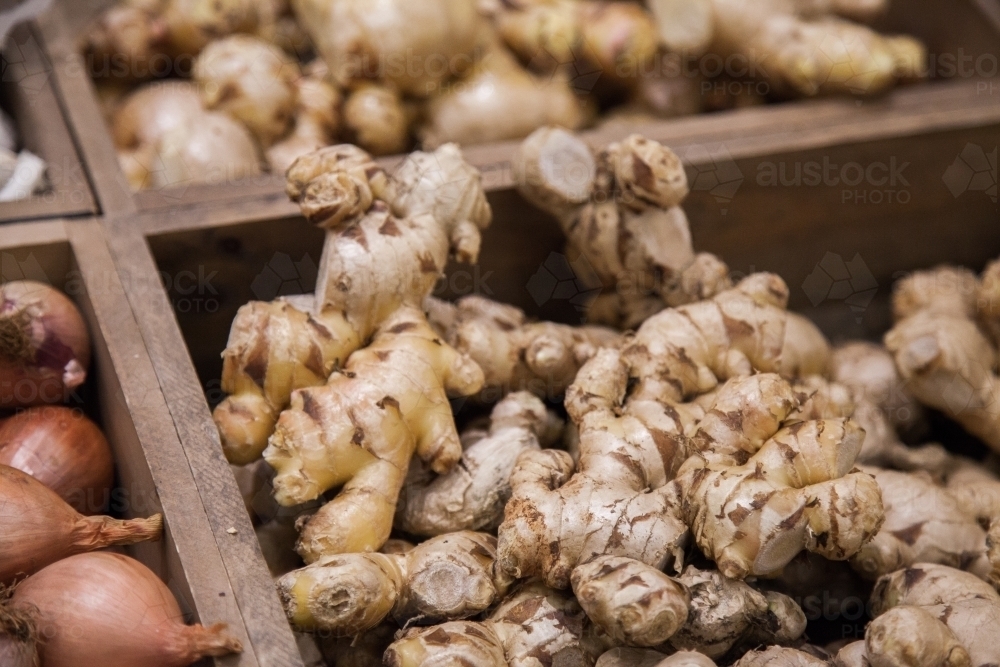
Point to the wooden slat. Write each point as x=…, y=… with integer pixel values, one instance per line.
x=270, y=636
x=79, y=103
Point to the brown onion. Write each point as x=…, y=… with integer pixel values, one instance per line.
x=17, y=635
x=44, y=345
x=109, y=610
x=37, y=527
x=63, y=450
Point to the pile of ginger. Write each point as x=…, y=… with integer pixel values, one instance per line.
x=211, y=91
x=671, y=483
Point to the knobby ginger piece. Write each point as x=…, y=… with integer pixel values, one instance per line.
x=909, y=635
x=497, y=101
x=947, y=361
x=615, y=40
x=761, y=489
x=969, y=607
x=359, y=431
x=388, y=241
x=446, y=578
x=376, y=119
x=924, y=523
x=779, y=656
x=515, y=354
x=799, y=47
x=274, y=348
x=534, y=627
x=620, y=211
x=251, y=80
x=727, y=613
x=637, y=657
x=317, y=120
x=636, y=413
x=977, y=492
x=472, y=495
x=414, y=46
x=635, y=604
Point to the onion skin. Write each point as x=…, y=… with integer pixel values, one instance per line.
x=44, y=345
x=63, y=450
x=108, y=610
x=17, y=636
x=37, y=527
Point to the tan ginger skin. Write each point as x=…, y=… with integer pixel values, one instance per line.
x=800, y=47
x=620, y=211
x=727, y=614
x=924, y=523
x=316, y=120
x=445, y=578
x=800, y=477
x=251, y=80
x=472, y=495
x=534, y=627
x=359, y=431
x=965, y=604
x=358, y=44
x=499, y=100
x=431, y=208
x=514, y=353
x=617, y=40
x=945, y=358
x=639, y=657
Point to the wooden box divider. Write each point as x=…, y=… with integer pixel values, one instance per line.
x=30, y=99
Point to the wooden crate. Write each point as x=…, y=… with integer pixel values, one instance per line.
x=198, y=255
x=806, y=233
x=952, y=30
x=123, y=395
x=28, y=93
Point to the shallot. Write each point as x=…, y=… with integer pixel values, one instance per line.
x=44, y=345
x=109, y=610
x=37, y=527
x=63, y=450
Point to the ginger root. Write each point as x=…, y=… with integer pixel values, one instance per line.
x=635, y=431
x=620, y=211
x=413, y=46
x=515, y=354
x=252, y=81
x=499, y=100
x=727, y=614
x=534, y=627
x=924, y=523
x=615, y=40
x=909, y=635
x=446, y=578
x=797, y=46
x=166, y=138
x=637, y=657
x=387, y=244
x=317, y=120
x=779, y=656
x=948, y=362
x=389, y=401
x=798, y=488
x=967, y=605
x=376, y=119
x=472, y=495
x=634, y=604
